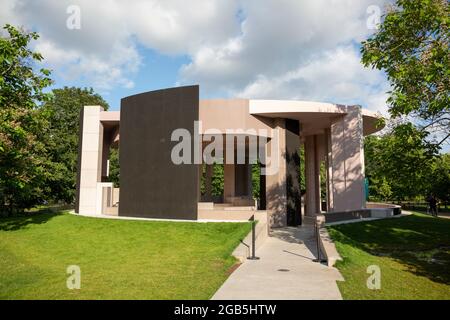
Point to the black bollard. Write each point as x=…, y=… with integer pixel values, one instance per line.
x=253, y=256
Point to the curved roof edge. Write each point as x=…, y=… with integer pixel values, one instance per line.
x=281, y=108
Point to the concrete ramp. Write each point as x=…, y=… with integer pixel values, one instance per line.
x=285, y=271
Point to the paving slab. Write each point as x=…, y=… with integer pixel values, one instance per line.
x=285, y=271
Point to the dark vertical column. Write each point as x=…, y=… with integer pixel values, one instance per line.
x=262, y=190
x=106, y=146
x=293, y=208
x=240, y=182
x=151, y=185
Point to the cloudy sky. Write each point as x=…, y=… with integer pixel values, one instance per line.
x=273, y=49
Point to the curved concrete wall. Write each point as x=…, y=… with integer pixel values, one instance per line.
x=223, y=114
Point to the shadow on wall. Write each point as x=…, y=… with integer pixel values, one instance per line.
x=293, y=189
x=276, y=200
x=421, y=243
x=345, y=157
x=276, y=204
x=283, y=198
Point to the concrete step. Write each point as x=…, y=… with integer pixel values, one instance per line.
x=222, y=205
x=241, y=208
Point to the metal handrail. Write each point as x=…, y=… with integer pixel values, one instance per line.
x=253, y=256
x=317, y=236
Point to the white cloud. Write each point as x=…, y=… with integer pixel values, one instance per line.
x=293, y=49
x=334, y=76
x=101, y=52
x=7, y=14
x=180, y=26
x=254, y=48
x=101, y=71
x=104, y=49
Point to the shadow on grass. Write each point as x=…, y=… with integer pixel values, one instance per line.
x=421, y=243
x=24, y=220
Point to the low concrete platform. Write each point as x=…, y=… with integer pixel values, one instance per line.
x=104, y=216
x=285, y=270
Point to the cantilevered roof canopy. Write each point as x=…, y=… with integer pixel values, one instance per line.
x=313, y=116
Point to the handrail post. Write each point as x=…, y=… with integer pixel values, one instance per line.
x=317, y=236
x=253, y=256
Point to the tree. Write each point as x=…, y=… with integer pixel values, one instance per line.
x=439, y=180
x=412, y=47
x=399, y=163
x=63, y=110
x=114, y=167
x=384, y=189
x=24, y=166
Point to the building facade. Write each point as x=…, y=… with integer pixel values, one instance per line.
x=169, y=140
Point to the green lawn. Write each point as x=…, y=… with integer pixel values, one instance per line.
x=119, y=259
x=413, y=254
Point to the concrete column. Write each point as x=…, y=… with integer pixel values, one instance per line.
x=312, y=177
x=321, y=152
x=276, y=195
x=229, y=183
x=328, y=161
x=89, y=161
x=347, y=161
x=315, y=151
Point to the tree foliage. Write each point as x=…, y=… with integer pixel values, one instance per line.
x=412, y=47
x=402, y=165
x=439, y=180
x=24, y=166
x=63, y=110
x=38, y=130
x=114, y=167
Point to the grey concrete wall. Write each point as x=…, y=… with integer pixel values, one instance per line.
x=151, y=185
x=223, y=114
x=276, y=181
x=312, y=176
x=80, y=142
x=347, y=161
x=89, y=161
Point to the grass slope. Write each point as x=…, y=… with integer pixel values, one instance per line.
x=412, y=252
x=119, y=259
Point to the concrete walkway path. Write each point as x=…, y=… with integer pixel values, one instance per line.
x=285, y=271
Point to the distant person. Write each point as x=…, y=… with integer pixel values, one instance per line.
x=432, y=202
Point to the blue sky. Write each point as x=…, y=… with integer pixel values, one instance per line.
x=155, y=72
x=271, y=49
x=255, y=49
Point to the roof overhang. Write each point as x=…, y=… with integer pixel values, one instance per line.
x=314, y=116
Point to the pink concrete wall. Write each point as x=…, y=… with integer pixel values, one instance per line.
x=347, y=161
